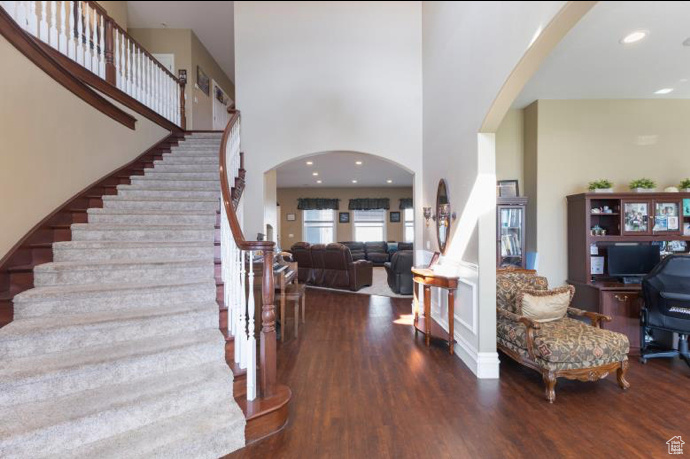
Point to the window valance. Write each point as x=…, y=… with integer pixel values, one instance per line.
x=369, y=204
x=406, y=203
x=318, y=204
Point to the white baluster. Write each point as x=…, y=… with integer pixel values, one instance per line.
x=61, y=40
x=101, y=48
x=116, y=58
x=129, y=68
x=43, y=26
x=20, y=14
x=251, y=342
x=32, y=20
x=80, y=35
x=71, y=45
x=11, y=8
x=87, y=36
x=96, y=54
x=241, y=336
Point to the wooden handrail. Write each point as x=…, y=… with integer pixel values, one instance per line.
x=267, y=349
x=30, y=48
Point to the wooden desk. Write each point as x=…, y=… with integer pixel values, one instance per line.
x=428, y=326
x=620, y=301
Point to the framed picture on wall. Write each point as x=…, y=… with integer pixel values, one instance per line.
x=291, y=217
x=507, y=189
x=202, y=81
x=343, y=217
x=395, y=217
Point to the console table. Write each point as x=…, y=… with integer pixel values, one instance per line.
x=426, y=325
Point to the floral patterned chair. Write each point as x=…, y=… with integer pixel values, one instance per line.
x=567, y=347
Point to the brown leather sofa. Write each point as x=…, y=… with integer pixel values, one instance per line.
x=356, y=249
x=399, y=271
x=332, y=266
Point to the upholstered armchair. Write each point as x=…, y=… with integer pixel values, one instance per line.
x=567, y=347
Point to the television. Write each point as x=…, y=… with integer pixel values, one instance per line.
x=632, y=262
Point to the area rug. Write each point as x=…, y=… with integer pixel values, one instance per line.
x=379, y=286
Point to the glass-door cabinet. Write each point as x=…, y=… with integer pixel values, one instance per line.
x=510, y=232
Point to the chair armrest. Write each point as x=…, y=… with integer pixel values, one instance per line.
x=529, y=324
x=595, y=317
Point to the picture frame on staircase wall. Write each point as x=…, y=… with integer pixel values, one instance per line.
x=202, y=81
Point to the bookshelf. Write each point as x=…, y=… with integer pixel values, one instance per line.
x=510, y=232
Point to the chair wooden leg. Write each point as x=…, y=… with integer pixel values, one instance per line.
x=550, y=382
x=282, y=319
x=620, y=375
x=296, y=318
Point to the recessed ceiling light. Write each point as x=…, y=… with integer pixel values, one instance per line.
x=354, y=181
x=319, y=181
x=309, y=163
x=664, y=91
x=634, y=37
x=389, y=181
x=314, y=174
x=359, y=163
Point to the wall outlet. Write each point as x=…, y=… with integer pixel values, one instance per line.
x=291, y=236
x=428, y=245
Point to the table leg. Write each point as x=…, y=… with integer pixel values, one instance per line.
x=304, y=307
x=415, y=303
x=297, y=317
x=427, y=314
x=451, y=320
x=282, y=314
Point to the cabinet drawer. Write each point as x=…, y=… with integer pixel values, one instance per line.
x=624, y=309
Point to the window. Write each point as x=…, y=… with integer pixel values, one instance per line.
x=370, y=225
x=319, y=227
x=409, y=225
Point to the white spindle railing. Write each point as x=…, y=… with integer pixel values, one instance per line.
x=78, y=30
x=237, y=270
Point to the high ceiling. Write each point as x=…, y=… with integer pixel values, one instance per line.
x=339, y=169
x=212, y=22
x=592, y=63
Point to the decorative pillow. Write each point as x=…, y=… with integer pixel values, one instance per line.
x=545, y=305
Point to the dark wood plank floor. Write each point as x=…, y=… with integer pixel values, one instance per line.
x=364, y=387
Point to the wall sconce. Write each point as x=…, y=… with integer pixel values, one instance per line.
x=427, y=214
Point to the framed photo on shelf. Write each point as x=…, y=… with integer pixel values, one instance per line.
x=667, y=216
x=508, y=189
x=636, y=217
x=686, y=207
x=343, y=217
x=291, y=217
x=395, y=217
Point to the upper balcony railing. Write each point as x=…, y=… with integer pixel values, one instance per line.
x=85, y=33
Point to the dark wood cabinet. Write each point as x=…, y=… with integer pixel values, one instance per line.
x=596, y=221
x=510, y=232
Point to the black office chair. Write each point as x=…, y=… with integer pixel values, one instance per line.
x=666, y=293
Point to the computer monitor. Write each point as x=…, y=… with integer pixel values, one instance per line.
x=632, y=262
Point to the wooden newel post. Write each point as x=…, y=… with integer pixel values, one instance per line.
x=110, y=71
x=268, y=329
x=183, y=117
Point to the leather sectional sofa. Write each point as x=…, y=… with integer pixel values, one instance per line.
x=331, y=266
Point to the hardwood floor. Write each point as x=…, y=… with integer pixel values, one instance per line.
x=364, y=387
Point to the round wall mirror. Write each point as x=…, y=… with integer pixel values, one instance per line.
x=443, y=215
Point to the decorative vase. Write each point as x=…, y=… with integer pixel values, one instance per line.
x=603, y=190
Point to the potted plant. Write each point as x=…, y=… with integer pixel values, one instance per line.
x=643, y=185
x=601, y=186
x=685, y=185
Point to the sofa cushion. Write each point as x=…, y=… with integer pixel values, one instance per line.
x=508, y=285
x=565, y=344
x=545, y=305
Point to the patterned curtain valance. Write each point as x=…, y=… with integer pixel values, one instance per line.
x=406, y=203
x=318, y=204
x=369, y=204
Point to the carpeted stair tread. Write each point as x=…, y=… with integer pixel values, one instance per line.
x=202, y=433
x=56, y=334
x=109, y=410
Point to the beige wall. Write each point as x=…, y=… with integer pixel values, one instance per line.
x=53, y=145
x=189, y=52
x=583, y=140
x=117, y=11
x=287, y=197
x=509, y=148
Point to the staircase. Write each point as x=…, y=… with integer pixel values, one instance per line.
x=116, y=352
